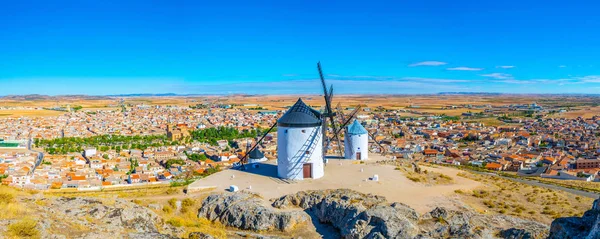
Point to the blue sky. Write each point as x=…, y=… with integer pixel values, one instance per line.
x=271, y=47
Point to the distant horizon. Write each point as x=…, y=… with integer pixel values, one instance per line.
x=133, y=95
x=240, y=47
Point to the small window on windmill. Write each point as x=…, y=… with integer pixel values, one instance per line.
x=303, y=131
x=306, y=152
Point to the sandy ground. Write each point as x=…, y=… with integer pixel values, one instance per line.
x=344, y=174
x=30, y=113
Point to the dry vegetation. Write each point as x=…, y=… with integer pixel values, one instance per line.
x=20, y=208
x=575, y=184
x=585, y=112
x=30, y=113
x=22, y=225
x=423, y=176
x=432, y=104
x=121, y=192
x=502, y=196
x=185, y=216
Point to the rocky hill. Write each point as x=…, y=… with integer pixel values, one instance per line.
x=66, y=217
x=357, y=215
x=339, y=213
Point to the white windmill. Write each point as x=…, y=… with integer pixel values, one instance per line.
x=356, y=142
x=300, y=143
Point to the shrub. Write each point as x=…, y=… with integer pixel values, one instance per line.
x=6, y=198
x=187, y=202
x=518, y=210
x=25, y=228
x=167, y=209
x=445, y=177
x=414, y=179
x=173, y=202
x=176, y=222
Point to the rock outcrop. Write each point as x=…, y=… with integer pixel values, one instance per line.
x=357, y=215
x=94, y=218
x=199, y=235
x=585, y=227
x=443, y=223
x=248, y=212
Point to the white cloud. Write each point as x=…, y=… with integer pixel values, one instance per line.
x=464, y=68
x=499, y=76
x=428, y=63
x=562, y=66
x=567, y=81
x=433, y=80
x=368, y=78
x=589, y=79
x=513, y=81
x=505, y=67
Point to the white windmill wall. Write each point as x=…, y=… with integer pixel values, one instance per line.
x=292, y=143
x=354, y=143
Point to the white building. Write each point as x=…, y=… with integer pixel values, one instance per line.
x=356, y=142
x=300, y=143
x=89, y=152
x=256, y=156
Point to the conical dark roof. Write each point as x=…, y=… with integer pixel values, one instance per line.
x=300, y=115
x=256, y=154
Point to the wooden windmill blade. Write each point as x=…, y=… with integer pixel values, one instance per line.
x=340, y=112
x=377, y=142
x=328, y=111
x=348, y=120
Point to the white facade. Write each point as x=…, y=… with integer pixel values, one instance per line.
x=356, y=143
x=89, y=152
x=298, y=146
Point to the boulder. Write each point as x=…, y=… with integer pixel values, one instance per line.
x=585, y=227
x=199, y=235
x=102, y=218
x=248, y=212
x=356, y=215
x=513, y=233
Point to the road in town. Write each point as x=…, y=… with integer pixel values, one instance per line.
x=40, y=155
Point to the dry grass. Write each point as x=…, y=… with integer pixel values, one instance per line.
x=10, y=207
x=492, y=121
x=502, y=196
x=588, y=186
x=187, y=218
x=30, y=113
x=122, y=192
x=25, y=228
x=450, y=112
x=585, y=112
x=425, y=177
